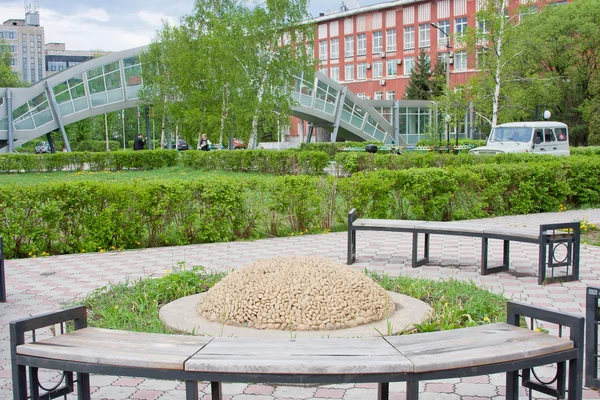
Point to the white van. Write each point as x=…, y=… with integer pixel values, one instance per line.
x=540, y=137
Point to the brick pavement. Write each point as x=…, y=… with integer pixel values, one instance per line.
x=37, y=285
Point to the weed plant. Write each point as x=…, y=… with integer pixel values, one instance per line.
x=455, y=304
x=134, y=305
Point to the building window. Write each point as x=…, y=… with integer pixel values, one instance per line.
x=39, y=37
x=31, y=37
x=409, y=37
x=13, y=48
x=349, y=72
x=424, y=39
x=362, y=71
x=13, y=61
x=378, y=96
x=392, y=66
x=335, y=73
x=323, y=50
x=12, y=35
x=390, y=95
x=377, y=42
x=460, y=60
x=24, y=36
x=335, y=48
x=349, y=49
x=391, y=40
x=444, y=26
x=460, y=28
x=409, y=64
x=323, y=71
x=377, y=69
x=362, y=44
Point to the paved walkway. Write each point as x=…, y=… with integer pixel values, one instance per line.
x=38, y=285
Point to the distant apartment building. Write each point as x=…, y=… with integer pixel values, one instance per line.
x=25, y=37
x=59, y=58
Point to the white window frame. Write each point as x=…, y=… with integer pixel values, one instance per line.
x=361, y=70
x=335, y=48
x=460, y=60
x=335, y=73
x=390, y=95
x=391, y=67
x=444, y=26
x=460, y=27
x=323, y=50
x=349, y=46
x=377, y=69
x=377, y=42
x=424, y=35
x=390, y=40
x=361, y=45
x=378, y=96
x=409, y=64
x=409, y=37
x=349, y=72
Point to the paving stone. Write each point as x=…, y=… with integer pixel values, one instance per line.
x=251, y=397
x=475, y=389
x=114, y=392
x=147, y=394
x=259, y=389
x=158, y=385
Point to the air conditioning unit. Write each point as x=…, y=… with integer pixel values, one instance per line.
x=383, y=55
x=399, y=61
x=368, y=65
x=382, y=82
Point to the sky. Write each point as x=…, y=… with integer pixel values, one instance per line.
x=114, y=25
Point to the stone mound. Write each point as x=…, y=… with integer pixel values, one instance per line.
x=296, y=293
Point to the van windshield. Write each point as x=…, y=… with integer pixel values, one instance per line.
x=501, y=134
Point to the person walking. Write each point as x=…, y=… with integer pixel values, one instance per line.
x=138, y=143
x=204, y=143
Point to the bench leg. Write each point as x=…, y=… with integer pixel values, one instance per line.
x=484, y=270
x=83, y=386
x=412, y=390
x=191, y=390
x=512, y=385
x=216, y=391
x=415, y=251
x=383, y=391
x=19, y=382
x=351, y=246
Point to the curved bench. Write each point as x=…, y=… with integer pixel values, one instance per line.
x=493, y=348
x=549, y=238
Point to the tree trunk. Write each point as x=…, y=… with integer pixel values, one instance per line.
x=106, y=131
x=253, y=141
x=498, y=78
x=224, y=114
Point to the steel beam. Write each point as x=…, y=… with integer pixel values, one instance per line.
x=11, y=128
x=396, y=122
x=55, y=112
x=338, y=113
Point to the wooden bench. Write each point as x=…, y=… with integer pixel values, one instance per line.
x=499, y=347
x=552, y=239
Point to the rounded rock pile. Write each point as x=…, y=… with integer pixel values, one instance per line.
x=296, y=293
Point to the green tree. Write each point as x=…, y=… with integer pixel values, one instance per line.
x=562, y=48
x=420, y=85
x=438, y=79
x=7, y=77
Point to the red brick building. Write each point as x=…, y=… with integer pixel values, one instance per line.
x=373, y=49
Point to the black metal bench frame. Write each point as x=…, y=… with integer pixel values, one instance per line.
x=2, y=276
x=592, y=358
x=27, y=366
x=550, y=239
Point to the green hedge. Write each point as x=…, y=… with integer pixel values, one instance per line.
x=95, y=145
x=71, y=217
x=363, y=162
x=286, y=162
x=115, y=161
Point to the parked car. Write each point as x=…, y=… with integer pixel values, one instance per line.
x=181, y=145
x=42, y=147
x=537, y=137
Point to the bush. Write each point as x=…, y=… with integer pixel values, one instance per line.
x=76, y=216
x=286, y=162
x=114, y=161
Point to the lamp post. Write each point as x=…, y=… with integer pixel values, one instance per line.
x=448, y=47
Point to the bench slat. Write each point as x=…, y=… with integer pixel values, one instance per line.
x=113, y=347
x=387, y=223
x=482, y=345
x=310, y=356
